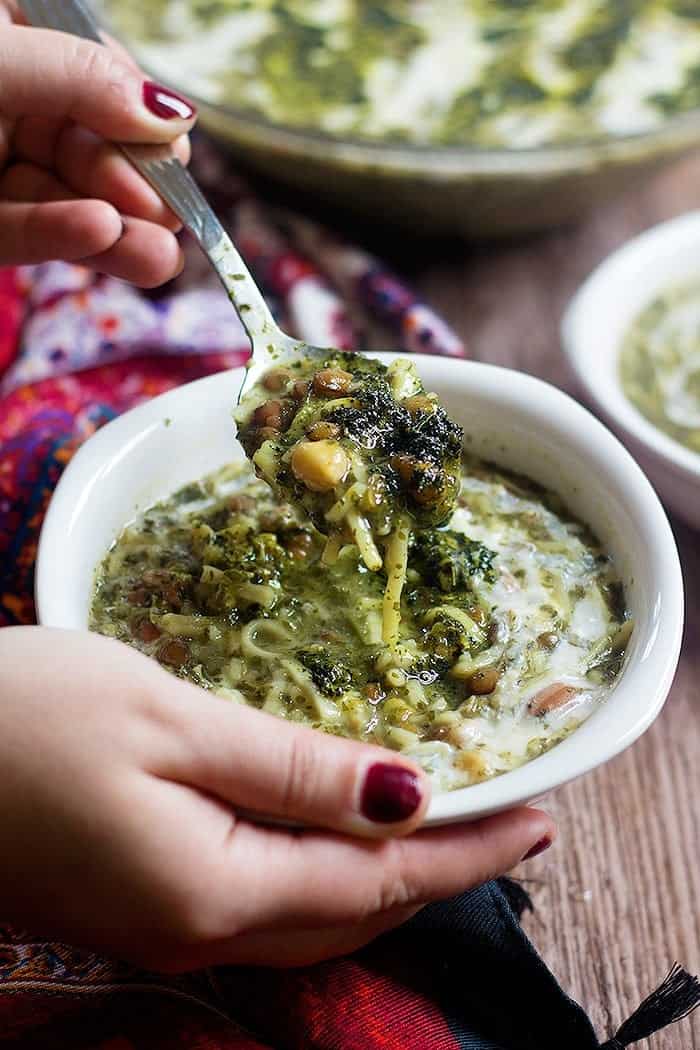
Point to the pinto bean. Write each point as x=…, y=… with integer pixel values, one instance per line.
x=550, y=698
x=276, y=379
x=174, y=653
x=275, y=414
x=147, y=631
x=332, y=382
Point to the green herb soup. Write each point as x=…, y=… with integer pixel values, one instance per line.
x=513, y=622
x=489, y=73
x=660, y=364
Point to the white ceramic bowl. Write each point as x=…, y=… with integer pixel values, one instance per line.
x=509, y=418
x=593, y=328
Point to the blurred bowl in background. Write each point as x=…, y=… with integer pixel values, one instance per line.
x=593, y=330
x=470, y=193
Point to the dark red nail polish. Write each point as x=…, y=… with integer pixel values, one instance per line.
x=165, y=103
x=544, y=843
x=391, y=793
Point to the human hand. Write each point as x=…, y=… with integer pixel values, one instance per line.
x=119, y=786
x=65, y=191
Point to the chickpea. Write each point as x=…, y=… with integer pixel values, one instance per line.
x=474, y=763
x=484, y=682
x=320, y=465
x=276, y=379
x=322, y=431
x=332, y=382
x=419, y=403
x=300, y=390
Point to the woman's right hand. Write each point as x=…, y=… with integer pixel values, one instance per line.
x=120, y=787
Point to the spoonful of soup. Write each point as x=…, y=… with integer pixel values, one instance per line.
x=361, y=447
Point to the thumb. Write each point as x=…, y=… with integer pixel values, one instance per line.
x=267, y=766
x=56, y=75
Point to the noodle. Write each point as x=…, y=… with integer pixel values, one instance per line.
x=395, y=562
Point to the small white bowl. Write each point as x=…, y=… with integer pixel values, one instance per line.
x=509, y=418
x=594, y=327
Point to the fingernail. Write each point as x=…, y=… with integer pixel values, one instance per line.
x=390, y=793
x=166, y=103
x=544, y=843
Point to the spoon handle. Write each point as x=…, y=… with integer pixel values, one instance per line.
x=161, y=168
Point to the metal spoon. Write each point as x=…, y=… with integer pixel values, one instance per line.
x=159, y=166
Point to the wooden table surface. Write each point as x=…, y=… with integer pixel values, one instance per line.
x=618, y=895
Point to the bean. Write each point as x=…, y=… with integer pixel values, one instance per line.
x=275, y=414
x=167, y=586
x=427, y=494
x=484, y=682
x=267, y=434
x=319, y=464
x=299, y=545
x=276, y=379
x=474, y=763
x=277, y=519
x=550, y=698
x=147, y=631
x=419, y=403
x=323, y=430
x=332, y=382
x=241, y=503
x=300, y=390
x=404, y=466
x=174, y=653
